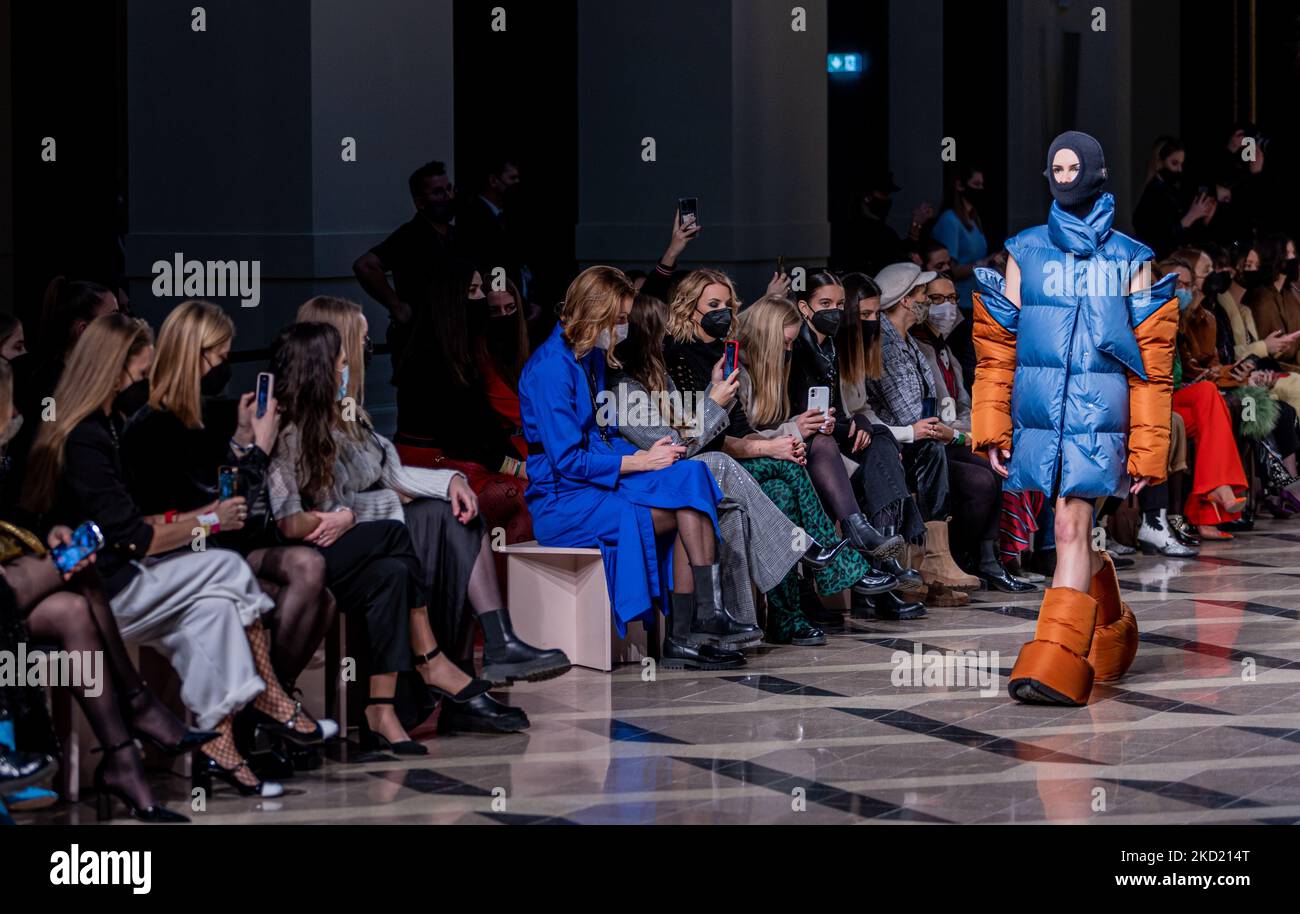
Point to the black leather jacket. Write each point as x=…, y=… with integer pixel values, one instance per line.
x=812, y=366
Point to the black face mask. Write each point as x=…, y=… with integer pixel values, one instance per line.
x=974, y=196
x=22, y=367
x=215, y=381
x=827, y=322
x=1216, y=283
x=132, y=399
x=1252, y=279
x=870, y=330
x=880, y=208
x=439, y=213
x=1172, y=178
x=717, y=324
x=1292, y=269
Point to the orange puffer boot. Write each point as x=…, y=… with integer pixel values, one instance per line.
x=1053, y=668
x=1115, y=640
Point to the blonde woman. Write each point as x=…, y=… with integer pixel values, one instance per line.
x=654, y=519
x=173, y=452
x=455, y=555
x=202, y=610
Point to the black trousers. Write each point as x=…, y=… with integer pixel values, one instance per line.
x=976, y=500
x=373, y=569
x=926, y=463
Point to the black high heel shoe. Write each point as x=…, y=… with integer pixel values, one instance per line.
x=206, y=768
x=104, y=794
x=191, y=740
x=473, y=688
x=377, y=742
x=285, y=729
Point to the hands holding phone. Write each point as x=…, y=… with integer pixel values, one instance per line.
x=254, y=429
x=62, y=536
x=663, y=453
x=814, y=421
x=723, y=390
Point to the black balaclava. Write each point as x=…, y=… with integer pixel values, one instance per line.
x=1079, y=195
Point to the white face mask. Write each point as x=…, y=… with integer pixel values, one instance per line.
x=944, y=316
x=620, y=334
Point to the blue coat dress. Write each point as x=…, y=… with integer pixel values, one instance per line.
x=575, y=492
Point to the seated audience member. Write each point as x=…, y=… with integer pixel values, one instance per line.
x=873, y=491
x=758, y=540
x=1218, y=480
x=202, y=610
x=173, y=452
x=1163, y=219
x=337, y=485
x=908, y=398
x=653, y=518
x=769, y=330
x=40, y=604
x=1272, y=300
x=462, y=431
x=934, y=257
x=456, y=553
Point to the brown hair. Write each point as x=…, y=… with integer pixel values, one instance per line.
x=762, y=346
x=591, y=305
x=348, y=319
x=859, y=359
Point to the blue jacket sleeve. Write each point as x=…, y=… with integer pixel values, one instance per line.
x=562, y=434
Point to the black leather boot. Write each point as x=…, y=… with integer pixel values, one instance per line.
x=817, y=556
x=679, y=653
x=814, y=609
x=481, y=714
x=874, y=582
x=868, y=540
x=892, y=606
x=506, y=658
x=710, y=619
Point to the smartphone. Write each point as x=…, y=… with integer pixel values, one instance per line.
x=731, y=357
x=227, y=482
x=819, y=398
x=86, y=540
x=928, y=408
x=265, y=385
x=780, y=264
x=688, y=210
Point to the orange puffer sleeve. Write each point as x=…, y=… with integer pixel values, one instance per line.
x=1154, y=313
x=994, y=333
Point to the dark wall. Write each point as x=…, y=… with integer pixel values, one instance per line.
x=516, y=93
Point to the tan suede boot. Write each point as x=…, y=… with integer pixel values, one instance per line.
x=938, y=565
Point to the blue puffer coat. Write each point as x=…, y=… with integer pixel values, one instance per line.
x=1076, y=355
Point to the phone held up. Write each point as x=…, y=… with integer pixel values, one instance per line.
x=731, y=357
x=227, y=482
x=688, y=211
x=819, y=398
x=265, y=385
x=86, y=540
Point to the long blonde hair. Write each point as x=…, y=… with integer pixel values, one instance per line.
x=90, y=379
x=591, y=305
x=192, y=329
x=348, y=318
x=762, y=346
x=686, y=298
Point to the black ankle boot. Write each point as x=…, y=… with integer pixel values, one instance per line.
x=710, y=620
x=506, y=658
x=814, y=609
x=868, y=540
x=817, y=556
x=679, y=653
x=892, y=606
x=874, y=582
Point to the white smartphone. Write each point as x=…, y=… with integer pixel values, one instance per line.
x=819, y=398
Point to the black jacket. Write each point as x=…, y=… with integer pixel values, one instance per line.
x=690, y=365
x=812, y=366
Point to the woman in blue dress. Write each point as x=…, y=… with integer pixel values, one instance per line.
x=654, y=518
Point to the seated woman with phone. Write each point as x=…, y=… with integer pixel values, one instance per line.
x=653, y=518
x=56, y=597
x=200, y=607
x=454, y=549
x=190, y=450
x=760, y=544
x=391, y=538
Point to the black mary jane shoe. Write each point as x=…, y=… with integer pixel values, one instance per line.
x=104, y=796
x=1001, y=579
x=481, y=714
x=817, y=556
x=285, y=729
x=377, y=742
x=206, y=768
x=472, y=689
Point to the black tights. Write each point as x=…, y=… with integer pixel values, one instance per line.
x=695, y=543
x=294, y=576
x=80, y=619
x=829, y=477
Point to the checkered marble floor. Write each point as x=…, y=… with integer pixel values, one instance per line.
x=1205, y=728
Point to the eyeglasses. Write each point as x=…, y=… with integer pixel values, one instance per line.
x=940, y=299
